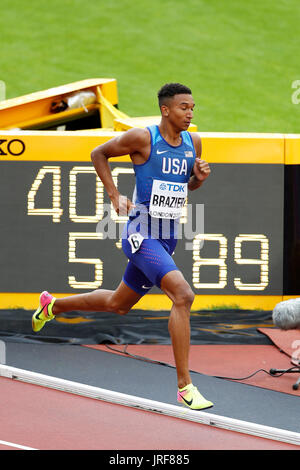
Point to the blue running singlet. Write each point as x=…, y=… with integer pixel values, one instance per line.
x=150, y=235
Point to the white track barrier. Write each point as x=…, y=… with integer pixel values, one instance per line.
x=201, y=417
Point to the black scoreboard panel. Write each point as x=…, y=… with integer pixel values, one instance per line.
x=54, y=215
x=291, y=282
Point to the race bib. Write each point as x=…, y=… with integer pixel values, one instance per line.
x=167, y=199
x=135, y=240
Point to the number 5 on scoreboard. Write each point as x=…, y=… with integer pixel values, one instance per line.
x=98, y=278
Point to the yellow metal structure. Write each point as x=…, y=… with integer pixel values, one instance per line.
x=40, y=110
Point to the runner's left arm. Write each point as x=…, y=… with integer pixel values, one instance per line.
x=201, y=169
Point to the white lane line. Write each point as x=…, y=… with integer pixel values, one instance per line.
x=17, y=446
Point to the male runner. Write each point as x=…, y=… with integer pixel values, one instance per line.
x=166, y=158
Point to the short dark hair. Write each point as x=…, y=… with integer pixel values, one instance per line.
x=171, y=89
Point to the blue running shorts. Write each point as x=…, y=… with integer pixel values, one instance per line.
x=149, y=264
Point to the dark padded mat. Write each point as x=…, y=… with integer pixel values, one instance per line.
x=154, y=381
x=138, y=327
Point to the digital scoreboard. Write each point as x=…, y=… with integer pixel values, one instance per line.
x=59, y=231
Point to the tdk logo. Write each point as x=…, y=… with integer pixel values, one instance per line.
x=172, y=187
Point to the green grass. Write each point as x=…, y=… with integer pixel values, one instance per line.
x=239, y=58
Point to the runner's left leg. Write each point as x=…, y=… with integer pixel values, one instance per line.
x=132, y=287
x=118, y=301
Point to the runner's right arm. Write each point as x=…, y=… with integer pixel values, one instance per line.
x=131, y=142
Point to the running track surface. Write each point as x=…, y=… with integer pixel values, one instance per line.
x=46, y=419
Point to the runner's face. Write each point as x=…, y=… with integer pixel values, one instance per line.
x=180, y=111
